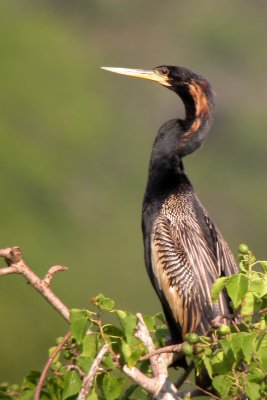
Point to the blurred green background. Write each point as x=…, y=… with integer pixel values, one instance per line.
x=75, y=143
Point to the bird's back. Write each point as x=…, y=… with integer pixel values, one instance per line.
x=184, y=254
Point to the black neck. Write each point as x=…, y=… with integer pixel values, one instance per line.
x=178, y=138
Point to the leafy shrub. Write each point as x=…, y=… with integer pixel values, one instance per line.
x=234, y=355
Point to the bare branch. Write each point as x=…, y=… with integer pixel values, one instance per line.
x=158, y=386
x=174, y=348
x=143, y=334
x=48, y=365
x=175, y=351
x=160, y=389
x=141, y=379
x=11, y=254
x=89, y=378
x=8, y=270
x=17, y=265
x=49, y=276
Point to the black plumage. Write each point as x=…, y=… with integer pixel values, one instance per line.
x=184, y=251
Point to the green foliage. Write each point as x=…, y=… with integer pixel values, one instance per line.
x=236, y=358
x=89, y=334
x=234, y=355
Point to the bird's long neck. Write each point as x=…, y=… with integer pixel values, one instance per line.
x=178, y=138
x=198, y=100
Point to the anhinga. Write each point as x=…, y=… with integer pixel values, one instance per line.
x=184, y=251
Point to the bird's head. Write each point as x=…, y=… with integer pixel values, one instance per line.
x=195, y=92
x=178, y=79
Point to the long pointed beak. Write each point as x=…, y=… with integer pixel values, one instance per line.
x=150, y=74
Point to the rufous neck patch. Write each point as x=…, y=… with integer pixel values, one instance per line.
x=201, y=104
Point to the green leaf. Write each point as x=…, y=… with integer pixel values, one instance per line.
x=85, y=363
x=72, y=384
x=135, y=392
x=80, y=323
x=236, y=287
x=264, y=287
x=227, y=350
x=222, y=383
x=89, y=346
x=253, y=390
x=218, y=286
x=92, y=395
x=103, y=302
x=111, y=387
x=51, y=351
x=134, y=357
x=129, y=391
x=31, y=380
x=5, y=395
x=247, y=345
x=264, y=265
x=125, y=350
x=236, y=345
x=14, y=387
x=161, y=317
x=255, y=373
x=207, y=364
x=198, y=363
x=149, y=321
x=243, y=346
x=26, y=395
x=136, y=344
x=263, y=357
x=256, y=285
x=128, y=322
x=107, y=304
x=220, y=364
x=53, y=388
x=161, y=336
x=248, y=303
x=112, y=330
x=243, y=265
x=108, y=361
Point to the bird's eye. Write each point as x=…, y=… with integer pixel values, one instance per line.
x=164, y=71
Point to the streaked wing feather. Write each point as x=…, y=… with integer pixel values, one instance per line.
x=225, y=259
x=205, y=266
x=176, y=277
x=224, y=254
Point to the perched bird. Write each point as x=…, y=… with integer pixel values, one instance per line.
x=184, y=251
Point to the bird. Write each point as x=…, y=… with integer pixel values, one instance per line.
x=185, y=252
